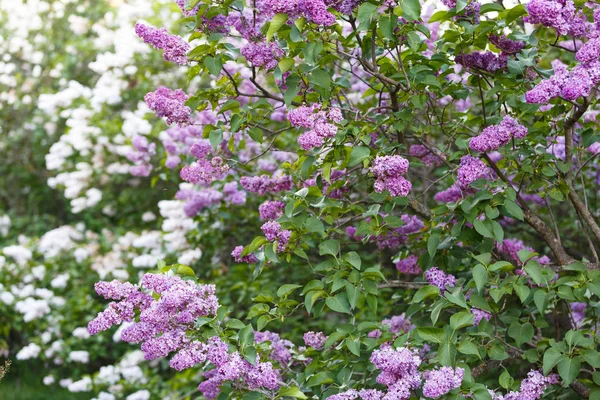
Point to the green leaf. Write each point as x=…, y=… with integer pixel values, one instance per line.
x=330, y=246
x=425, y=292
x=482, y=229
x=480, y=276
x=513, y=209
x=592, y=357
x=285, y=64
x=461, y=320
x=353, y=292
x=315, y=225
x=246, y=335
x=515, y=13
x=214, y=65
x=320, y=379
x=358, y=154
x=353, y=345
x=321, y=78
x=250, y=354
x=431, y=334
x=353, y=259
x=447, y=354
x=433, y=243
x=505, y=380
x=184, y=270
x=228, y=106
x=364, y=14
x=469, y=348
x=339, y=303
x=276, y=22
x=292, y=391
x=534, y=270
x=551, y=358
x=521, y=333
x=568, y=369
x=411, y=9
x=287, y=289
x=497, y=352
x=540, y=300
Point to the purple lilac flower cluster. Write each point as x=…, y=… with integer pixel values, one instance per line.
x=265, y=184
x=204, y=171
x=363, y=394
x=409, y=265
x=197, y=200
x=271, y=210
x=312, y=10
x=532, y=387
x=233, y=195
x=399, y=324
x=486, y=60
x=280, y=348
x=472, y=10
x=399, y=371
x=439, y=382
x=389, y=171
x=569, y=85
x=262, y=54
x=397, y=236
x=578, y=313
x=508, y=46
x=423, y=153
x=319, y=122
x=163, y=323
x=495, y=136
x=234, y=367
x=511, y=248
x=316, y=340
x=175, y=48
x=335, y=193
x=237, y=255
x=170, y=104
x=273, y=232
x=439, y=278
x=140, y=155
x=470, y=169
x=480, y=315
x=558, y=14
x=451, y=195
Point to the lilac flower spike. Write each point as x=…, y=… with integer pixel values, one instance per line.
x=175, y=48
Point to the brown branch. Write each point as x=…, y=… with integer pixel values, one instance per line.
x=402, y=284
x=536, y=222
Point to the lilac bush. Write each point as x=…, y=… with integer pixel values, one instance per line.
x=393, y=200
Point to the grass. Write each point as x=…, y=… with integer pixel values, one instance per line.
x=24, y=382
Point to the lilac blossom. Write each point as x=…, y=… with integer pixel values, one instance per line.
x=487, y=61
x=480, y=315
x=399, y=324
x=439, y=382
x=271, y=210
x=262, y=54
x=316, y=340
x=439, y=278
x=495, y=136
x=175, y=48
x=470, y=169
x=163, y=323
x=265, y=184
x=388, y=171
x=237, y=255
x=532, y=387
x=409, y=265
x=170, y=104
